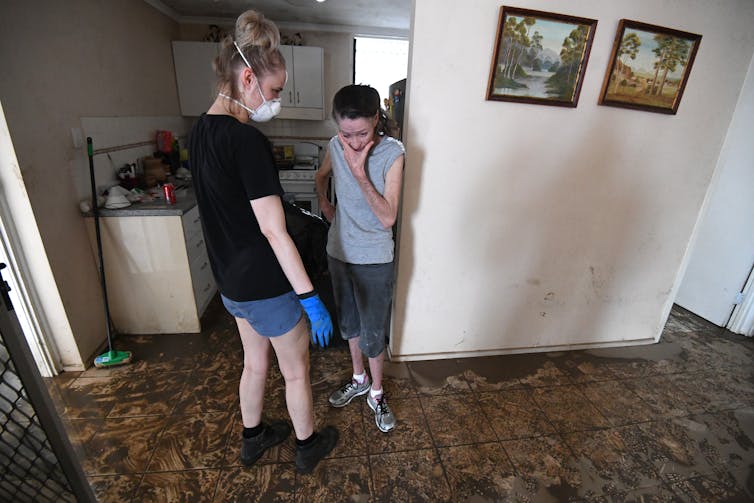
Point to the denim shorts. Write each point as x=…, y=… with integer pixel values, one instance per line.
x=269, y=317
x=363, y=298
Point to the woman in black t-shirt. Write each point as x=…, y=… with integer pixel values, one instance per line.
x=256, y=265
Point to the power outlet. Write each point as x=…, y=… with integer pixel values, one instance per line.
x=77, y=136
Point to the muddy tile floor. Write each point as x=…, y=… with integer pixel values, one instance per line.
x=673, y=421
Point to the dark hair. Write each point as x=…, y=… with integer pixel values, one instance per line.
x=358, y=101
x=259, y=39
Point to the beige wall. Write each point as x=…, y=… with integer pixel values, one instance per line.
x=62, y=61
x=527, y=227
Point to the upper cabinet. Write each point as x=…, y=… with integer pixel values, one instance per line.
x=195, y=76
x=302, y=97
x=303, y=94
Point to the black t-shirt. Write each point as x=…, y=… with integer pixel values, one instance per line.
x=231, y=164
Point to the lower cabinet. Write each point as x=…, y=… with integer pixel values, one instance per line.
x=158, y=275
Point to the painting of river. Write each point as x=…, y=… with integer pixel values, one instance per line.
x=534, y=84
x=540, y=57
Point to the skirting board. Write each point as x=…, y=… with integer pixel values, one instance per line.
x=513, y=351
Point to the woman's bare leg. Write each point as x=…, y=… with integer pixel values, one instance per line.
x=375, y=367
x=256, y=363
x=356, y=357
x=292, y=350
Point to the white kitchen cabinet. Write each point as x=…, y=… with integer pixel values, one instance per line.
x=195, y=76
x=302, y=97
x=159, y=280
x=303, y=94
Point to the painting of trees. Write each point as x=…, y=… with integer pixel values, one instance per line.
x=539, y=57
x=650, y=67
x=670, y=52
x=563, y=81
x=516, y=44
x=628, y=49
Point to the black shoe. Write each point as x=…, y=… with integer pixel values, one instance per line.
x=272, y=434
x=308, y=456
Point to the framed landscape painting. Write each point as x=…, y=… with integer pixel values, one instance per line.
x=649, y=67
x=539, y=57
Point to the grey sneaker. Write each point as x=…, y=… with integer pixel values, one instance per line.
x=348, y=391
x=383, y=416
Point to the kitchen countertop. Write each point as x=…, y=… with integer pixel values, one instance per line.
x=185, y=201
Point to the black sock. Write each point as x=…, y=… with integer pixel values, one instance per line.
x=306, y=441
x=253, y=432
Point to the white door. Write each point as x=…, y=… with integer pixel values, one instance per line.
x=723, y=253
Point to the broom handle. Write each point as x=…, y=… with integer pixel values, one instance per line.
x=95, y=210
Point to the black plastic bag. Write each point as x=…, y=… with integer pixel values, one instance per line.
x=309, y=234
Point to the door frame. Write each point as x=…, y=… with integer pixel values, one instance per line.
x=741, y=320
x=27, y=303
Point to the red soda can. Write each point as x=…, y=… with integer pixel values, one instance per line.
x=169, y=191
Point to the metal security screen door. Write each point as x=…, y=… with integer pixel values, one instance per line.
x=37, y=463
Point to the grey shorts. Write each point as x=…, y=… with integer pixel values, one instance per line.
x=363, y=297
x=269, y=317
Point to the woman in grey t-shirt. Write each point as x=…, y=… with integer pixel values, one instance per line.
x=367, y=169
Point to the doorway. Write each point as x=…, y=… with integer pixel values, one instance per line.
x=380, y=62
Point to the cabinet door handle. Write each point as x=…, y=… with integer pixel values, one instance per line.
x=206, y=288
x=203, y=267
x=298, y=97
x=197, y=220
x=290, y=96
x=200, y=243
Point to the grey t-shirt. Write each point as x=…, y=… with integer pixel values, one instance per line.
x=356, y=234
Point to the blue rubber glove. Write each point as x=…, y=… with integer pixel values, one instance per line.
x=319, y=318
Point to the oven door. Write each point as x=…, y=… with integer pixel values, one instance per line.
x=307, y=200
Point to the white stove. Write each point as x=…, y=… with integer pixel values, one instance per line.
x=300, y=188
x=297, y=174
x=298, y=182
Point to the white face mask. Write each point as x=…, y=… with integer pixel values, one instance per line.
x=264, y=112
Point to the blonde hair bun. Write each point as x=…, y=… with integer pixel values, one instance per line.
x=258, y=41
x=253, y=29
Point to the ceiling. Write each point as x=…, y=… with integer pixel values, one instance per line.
x=383, y=15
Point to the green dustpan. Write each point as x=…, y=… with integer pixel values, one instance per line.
x=112, y=358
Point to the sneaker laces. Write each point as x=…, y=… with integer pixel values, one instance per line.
x=351, y=385
x=382, y=407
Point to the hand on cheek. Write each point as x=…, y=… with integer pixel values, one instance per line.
x=355, y=160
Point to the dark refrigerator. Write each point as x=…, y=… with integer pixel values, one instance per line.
x=396, y=104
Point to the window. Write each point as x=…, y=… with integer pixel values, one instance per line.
x=380, y=62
